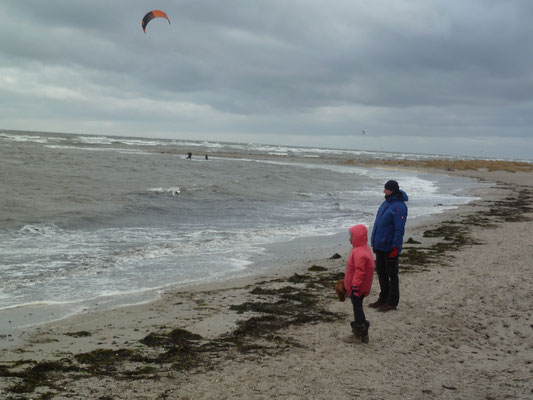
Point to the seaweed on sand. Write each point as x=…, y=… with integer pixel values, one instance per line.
x=295, y=307
x=263, y=291
x=317, y=268
x=513, y=209
x=181, y=350
x=457, y=234
x=178, y=336
x=414, y=256
x=79, y=334
x=102, y=360
x=40, y=374
x=453, y=235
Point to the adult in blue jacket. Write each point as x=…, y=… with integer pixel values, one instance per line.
x=386, y=241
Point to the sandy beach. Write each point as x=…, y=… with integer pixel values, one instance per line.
x=463, y=328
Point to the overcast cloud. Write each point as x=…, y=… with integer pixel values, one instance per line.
x=433, y=76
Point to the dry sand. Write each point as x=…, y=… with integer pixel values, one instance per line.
x=463, y=329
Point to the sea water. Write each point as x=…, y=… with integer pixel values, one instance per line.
x=100, y=221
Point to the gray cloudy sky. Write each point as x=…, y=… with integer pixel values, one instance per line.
x=434, y=76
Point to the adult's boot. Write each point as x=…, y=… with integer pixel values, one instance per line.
x=376, y=304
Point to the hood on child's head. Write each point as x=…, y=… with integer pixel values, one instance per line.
x=359, y=235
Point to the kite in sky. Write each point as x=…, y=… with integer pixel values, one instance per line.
x=151, y=15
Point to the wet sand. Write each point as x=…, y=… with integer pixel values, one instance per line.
x=463, y=329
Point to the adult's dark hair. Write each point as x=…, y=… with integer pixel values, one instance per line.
x=392, y=186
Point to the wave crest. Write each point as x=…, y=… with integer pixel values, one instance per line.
x=174, y=191
x=39, y=230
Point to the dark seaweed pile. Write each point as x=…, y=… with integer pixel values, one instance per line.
x=453, y=235
x=303, y=302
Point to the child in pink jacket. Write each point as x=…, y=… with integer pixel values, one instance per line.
x=358, y=279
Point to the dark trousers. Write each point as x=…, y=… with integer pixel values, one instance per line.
x=387, y=270
x=358, y=313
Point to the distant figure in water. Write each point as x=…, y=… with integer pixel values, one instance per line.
x=189, y=155
x=207, y=158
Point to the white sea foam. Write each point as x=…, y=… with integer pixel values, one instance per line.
x=33, y=304
x=62, y=147
x=23, y=138
x=95, y=140
x=39, y=230
x=174, y=191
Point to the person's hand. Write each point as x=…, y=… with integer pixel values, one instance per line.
x=393, y=253
x=355, y=291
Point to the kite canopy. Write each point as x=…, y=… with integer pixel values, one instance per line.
x=151, y=15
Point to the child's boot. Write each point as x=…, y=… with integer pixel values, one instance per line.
x=364, y=332
x=357, y=330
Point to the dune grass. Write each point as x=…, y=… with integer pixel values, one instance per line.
x=454, y=165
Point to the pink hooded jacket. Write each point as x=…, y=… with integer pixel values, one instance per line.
x=360, y=265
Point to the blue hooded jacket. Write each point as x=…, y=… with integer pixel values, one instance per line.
x=389, y=225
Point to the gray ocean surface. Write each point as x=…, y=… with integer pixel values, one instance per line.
x=105, y=221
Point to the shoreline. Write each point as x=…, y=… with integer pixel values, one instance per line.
x=22, y=319
x=206, y=310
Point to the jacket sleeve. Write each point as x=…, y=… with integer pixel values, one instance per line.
x=359, y=271
x=400, y=217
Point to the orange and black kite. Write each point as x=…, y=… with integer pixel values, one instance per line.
x=151, y=15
